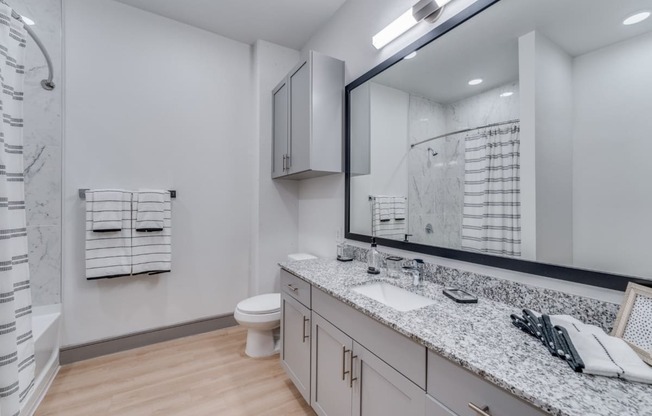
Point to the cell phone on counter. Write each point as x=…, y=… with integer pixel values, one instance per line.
x=460, y=296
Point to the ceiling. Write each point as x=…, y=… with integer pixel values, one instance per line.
x=487, y=46
x=290, y=23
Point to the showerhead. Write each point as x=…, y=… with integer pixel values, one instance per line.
x=432, y=152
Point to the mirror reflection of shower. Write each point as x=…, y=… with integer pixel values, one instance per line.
x=431, y=154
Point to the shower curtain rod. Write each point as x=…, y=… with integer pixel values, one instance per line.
x=516, y=120
x=47, y=84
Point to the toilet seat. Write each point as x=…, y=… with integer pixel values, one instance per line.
x=261, y=305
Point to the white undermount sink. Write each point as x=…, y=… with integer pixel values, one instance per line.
x=393, y=296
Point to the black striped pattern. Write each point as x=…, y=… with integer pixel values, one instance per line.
x=386, y=220
x=492, y=216
x=16, y=339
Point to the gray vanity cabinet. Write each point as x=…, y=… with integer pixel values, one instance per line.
x=295, y=343
x=307, y=119
x=380, y=390
x=331, y=369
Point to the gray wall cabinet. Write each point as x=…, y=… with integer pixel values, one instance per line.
x=308, y=119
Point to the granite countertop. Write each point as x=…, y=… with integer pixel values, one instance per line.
x=481, y=338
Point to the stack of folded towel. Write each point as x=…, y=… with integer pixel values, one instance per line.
x=152, y=239
x=586, y=348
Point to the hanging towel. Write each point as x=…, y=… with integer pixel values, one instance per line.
x=108, y=254
x=105, y=206
x=383, y=205
x=152, y=250
x=150, y=213
x=399, y=208
x=383, y=223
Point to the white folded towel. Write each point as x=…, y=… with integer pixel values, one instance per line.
x=399, y=208
x=108, y=254
x=383, y=207
x=105, y=206
x=150, y=211
x=603, y=354
x=152, y=251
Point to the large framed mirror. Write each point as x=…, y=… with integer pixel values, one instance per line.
x=519, y=135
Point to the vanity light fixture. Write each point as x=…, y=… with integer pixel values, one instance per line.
x=507, y=94
x=428, y=10
x=476, y=81
x=411, y=55
x=637, y=17
x=28, y=21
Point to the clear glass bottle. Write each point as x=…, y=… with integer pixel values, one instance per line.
x=374, y=259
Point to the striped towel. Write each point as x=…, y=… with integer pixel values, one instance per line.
x=152, y=251
x=106, y=209
x=108, y=254
x=399, y=208
x=150, y=212
x=385, y=225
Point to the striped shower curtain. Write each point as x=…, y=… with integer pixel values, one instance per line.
x=492, y=210
x=16, y=342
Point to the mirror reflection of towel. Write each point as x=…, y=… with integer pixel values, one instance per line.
x=399, y=208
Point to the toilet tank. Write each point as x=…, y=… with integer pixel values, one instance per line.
x=300, y=256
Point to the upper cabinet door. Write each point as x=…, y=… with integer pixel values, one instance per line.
x=280, y=129
x=300, y=119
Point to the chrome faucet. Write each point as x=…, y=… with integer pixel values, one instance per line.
x=416, y=277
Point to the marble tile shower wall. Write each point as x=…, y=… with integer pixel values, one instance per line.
x=436, y=182
x=43, y=150
x=591, y=311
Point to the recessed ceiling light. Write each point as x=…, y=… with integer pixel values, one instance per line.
x=475, y=81
x=28, y=21
x=411, y=55
x=507, y=94
x=636, y=18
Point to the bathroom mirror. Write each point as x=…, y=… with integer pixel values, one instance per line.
x=517, y=137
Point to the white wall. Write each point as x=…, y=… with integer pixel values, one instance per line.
x=275, y=213
x=389, y=150
x=154, y=103
x=546, y=150
x=612, y=201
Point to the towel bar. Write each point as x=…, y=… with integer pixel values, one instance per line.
x=82, y=193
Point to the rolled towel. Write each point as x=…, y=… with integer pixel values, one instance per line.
x=151, y=211
x=106, y=209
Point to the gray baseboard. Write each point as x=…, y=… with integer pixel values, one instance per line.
x=140, y=339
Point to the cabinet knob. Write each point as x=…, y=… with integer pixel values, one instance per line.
x=484, y=411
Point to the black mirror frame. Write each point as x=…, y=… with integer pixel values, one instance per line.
x=588, y=277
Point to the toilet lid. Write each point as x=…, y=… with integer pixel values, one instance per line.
x=261, y=304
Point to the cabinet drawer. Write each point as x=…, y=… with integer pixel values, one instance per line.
x=456, y=387
x=295, y=287
x=397, y=350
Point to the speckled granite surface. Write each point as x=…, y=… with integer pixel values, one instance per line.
x=480, y=338
x=591, y=311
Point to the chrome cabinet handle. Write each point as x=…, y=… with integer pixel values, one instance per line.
x=289, y=161
x=480, y=411
x=284, y=164
x=292, y=288
x=305, y=337
x=344, y=372
x=351, y=378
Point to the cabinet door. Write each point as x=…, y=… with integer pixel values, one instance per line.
x=295, y=343
x=379, y=390
x=300, y=111
x=280, y=132
x=331, y=369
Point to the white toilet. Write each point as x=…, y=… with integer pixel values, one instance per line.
x=261, y=315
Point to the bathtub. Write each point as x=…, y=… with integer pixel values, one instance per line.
x=45, y=329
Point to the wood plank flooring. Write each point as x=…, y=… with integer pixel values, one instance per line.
x=206, y=374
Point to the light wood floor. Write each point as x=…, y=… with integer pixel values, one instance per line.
x=206, y=374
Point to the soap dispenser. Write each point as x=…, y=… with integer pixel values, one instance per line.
x=374, y=259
